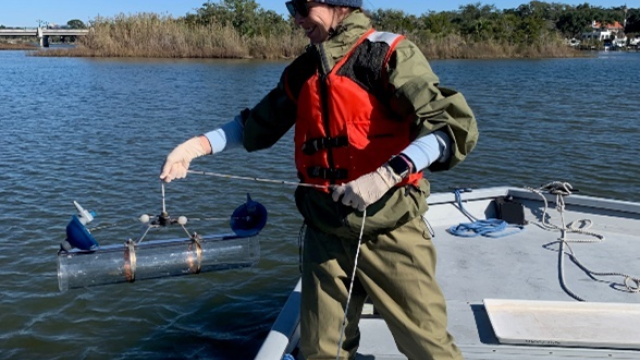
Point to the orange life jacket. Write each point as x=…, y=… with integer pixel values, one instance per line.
x=343, y=131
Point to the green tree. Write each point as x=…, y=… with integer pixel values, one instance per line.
x=532, y=28
x=476, y=20
x=76, y=24
x=245, y=16
x=572, y=23
x=633, y=21
x=394, y=20
x=507, y=27
x=439, y=24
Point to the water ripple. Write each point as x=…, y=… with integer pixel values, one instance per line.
x=96, y=131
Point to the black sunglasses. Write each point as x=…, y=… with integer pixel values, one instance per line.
x=298, y=6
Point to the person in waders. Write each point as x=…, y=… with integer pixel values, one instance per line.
x=370, y=116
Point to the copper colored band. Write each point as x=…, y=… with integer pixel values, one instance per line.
x=129, y=262
x=199, y=253
x=195, y=266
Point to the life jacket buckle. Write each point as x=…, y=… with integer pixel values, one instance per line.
x=310, y=147
x=326, y=173
x=314, y=145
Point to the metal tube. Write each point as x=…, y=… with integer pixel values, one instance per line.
x=154, y=259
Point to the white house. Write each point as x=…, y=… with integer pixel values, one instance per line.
x=606, y=32
x=596, y=35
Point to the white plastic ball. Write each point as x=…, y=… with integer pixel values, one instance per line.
x=182, y=220
x=66, y=246
x=144, y=218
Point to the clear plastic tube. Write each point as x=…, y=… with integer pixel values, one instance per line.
x=154, y=259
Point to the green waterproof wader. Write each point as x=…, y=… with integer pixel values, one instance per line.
x=396, y=270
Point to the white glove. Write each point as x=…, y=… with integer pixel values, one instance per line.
x=178, y=160
x=367, y=189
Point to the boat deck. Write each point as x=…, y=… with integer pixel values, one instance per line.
x=525, y=266
x=505, y=297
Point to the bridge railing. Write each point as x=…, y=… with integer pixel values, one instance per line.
x=43, y=34
x=65, y=32
x=39, y=32
x=18, y=32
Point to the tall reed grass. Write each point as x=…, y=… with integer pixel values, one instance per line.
x=156, y=36
x=454, y=46
x=151, y=35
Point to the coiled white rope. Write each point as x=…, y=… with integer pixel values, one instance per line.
x=560, y=190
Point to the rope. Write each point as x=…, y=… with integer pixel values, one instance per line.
x=493, y=228
x=213, y=218
x=562, y=189
x=110, y=225
x=355, y=265
x=353, y=278
x=281, y=182
x=301, y=234
x=164, y=207
x=429, y=227
x=487, y=228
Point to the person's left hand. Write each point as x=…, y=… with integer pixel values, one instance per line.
x=367, y=189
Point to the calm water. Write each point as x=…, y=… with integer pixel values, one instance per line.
x=97, y=131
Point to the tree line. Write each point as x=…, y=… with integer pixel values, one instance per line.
x=527, y=24
x=243, y=29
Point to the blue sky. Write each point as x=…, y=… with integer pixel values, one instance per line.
x=28, y=12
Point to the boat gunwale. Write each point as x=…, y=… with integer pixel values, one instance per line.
x=627, y=207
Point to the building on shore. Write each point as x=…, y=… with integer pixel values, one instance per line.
x=611, y=35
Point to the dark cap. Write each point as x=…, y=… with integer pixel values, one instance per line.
x=349, y=3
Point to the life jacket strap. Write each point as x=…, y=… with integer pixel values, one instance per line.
x=316, y=172
x=312, y=146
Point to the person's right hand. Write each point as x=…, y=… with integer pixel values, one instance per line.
x=178, y=160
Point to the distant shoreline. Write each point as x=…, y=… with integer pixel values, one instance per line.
x=155, y=36
x=475, y=51
x=8, y=46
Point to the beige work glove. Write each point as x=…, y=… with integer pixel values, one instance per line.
x=367, y=189
x=178, y=160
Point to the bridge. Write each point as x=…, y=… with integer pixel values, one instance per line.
x=43, y=33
